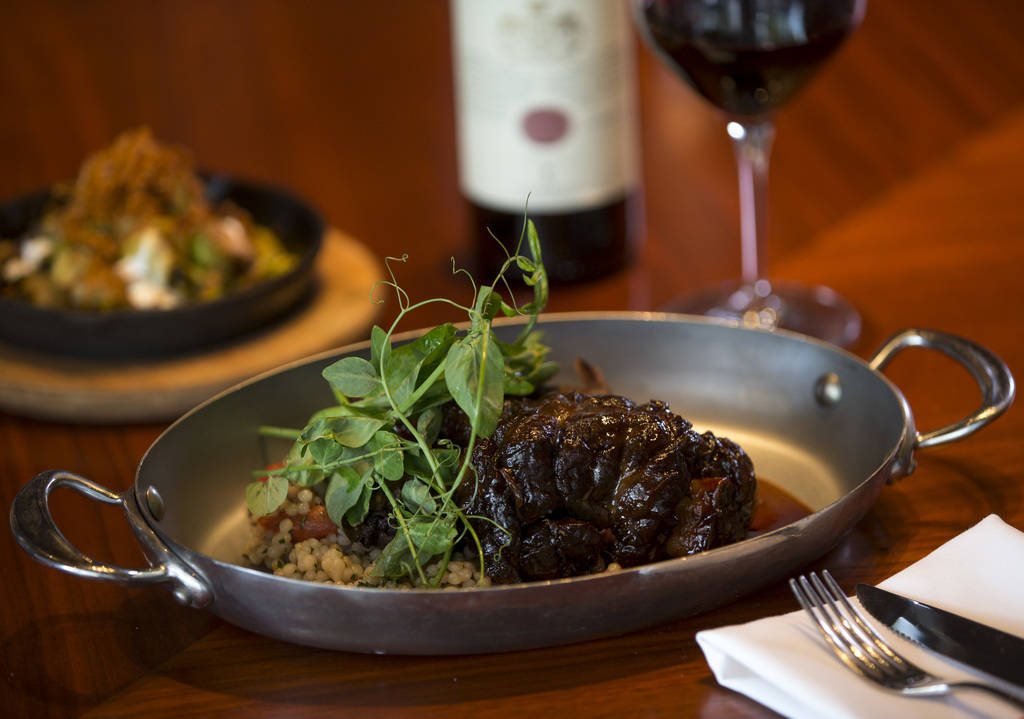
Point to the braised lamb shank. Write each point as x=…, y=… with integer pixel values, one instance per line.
x=570, y=482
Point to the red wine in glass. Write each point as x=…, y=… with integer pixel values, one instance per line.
x=748, y=57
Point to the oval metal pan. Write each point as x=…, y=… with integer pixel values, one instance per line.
x=757, y=387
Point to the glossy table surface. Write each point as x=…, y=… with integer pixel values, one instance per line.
x=897, y=181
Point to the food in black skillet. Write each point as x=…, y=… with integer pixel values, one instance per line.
x=135, y=230
x=448, y=463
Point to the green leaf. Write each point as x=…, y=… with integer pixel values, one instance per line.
x=324, y=450
x=417, y=497
x=434, y=397
x=379, y=345
x=428, y=425
x=416, y=359
x=357, y=513
x=475, y=375
x=264, y=498
x=526, y=264
x=416, y=464
x=517, y=385
x=353, y=377
x=316, y=429
x=488, y=303
x=543, y=372
x=538, y=280
x=296, y=462
x=430, y=349
x=432, y=537
x=355, y=430
x=394, y=560
x=388, y=461
x=429, y=538
x=509, y=310
x=447, y=460
x=400, y=372
x=525, y=366
x=344, y=491
x=533, y=239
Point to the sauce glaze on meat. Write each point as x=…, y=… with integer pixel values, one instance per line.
x=569, y=482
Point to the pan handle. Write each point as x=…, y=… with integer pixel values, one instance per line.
x=990, y=372
x=33, y=526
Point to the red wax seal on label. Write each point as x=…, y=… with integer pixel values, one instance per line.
x=545, y=125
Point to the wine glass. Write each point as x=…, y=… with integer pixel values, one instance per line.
x=748, y=57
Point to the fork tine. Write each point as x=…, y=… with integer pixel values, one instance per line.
x=852, y=626
x=806, y=598
x=842, y=627
x=870, y=638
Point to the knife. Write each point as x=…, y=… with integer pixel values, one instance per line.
x=964, y=640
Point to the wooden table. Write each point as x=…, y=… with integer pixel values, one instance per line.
x=897, y=179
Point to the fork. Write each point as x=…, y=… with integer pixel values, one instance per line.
x=863, y=650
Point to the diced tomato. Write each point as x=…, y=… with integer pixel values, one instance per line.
x=270, y=522
x=316, y=524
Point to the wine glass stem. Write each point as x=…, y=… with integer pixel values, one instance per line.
x=752, y=143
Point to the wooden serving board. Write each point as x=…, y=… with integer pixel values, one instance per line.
x=72, y=389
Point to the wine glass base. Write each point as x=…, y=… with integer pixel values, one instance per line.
x=816, y=311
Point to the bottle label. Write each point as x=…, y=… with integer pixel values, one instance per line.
x=545, y=102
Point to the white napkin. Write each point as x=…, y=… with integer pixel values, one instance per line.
x=784, y=663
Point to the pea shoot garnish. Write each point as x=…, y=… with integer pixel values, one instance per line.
x=383, y=435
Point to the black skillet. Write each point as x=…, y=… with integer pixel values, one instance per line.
x=129, y=333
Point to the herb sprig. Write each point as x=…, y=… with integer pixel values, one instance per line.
x=362, y=444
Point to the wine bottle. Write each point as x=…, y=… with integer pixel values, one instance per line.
x=546, y=124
